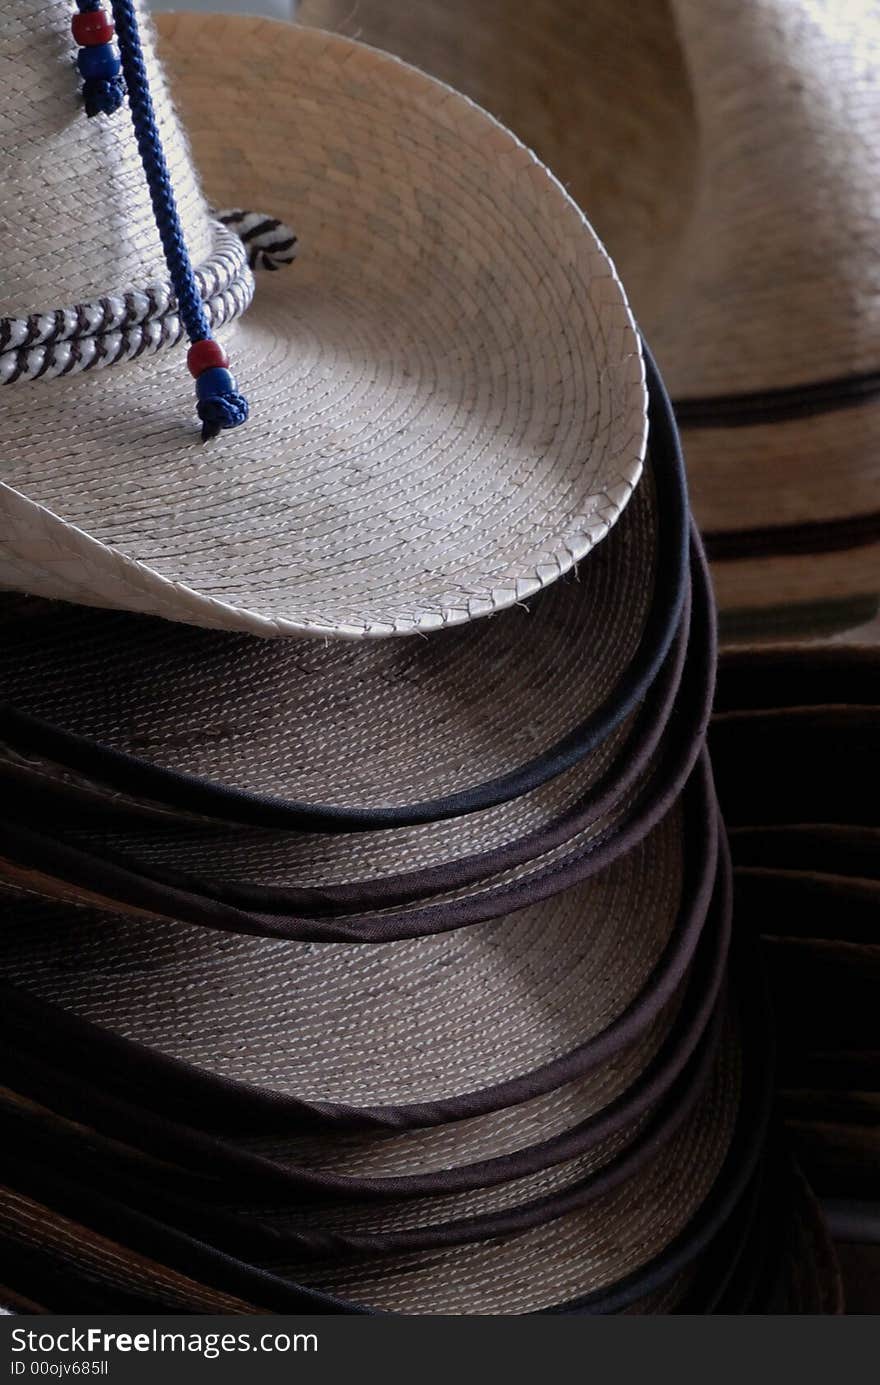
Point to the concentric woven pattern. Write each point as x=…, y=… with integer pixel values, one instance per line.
x=507, y=1131
x=422, y=1215
x=243, y=856
x=739, y=198
x=412, y=1021
x=571, y=1256
x=576, y=852
x=617, y=1155
x=242, y=1225
x=391, y=722
x=448, y=402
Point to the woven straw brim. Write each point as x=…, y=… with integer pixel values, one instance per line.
x=49, y=866
x=416, y=1021
x=619, y=1083
x=97, y=1278
x=568, y=1257
x=379, y=725
x=554, y=73
x=740, y=226
x=570, y=853
x=590, y=834
x=313, y=1226
x=795, y=465
x=447, y=392
x=319, y=873
x=574, y=823
x=816, y=582
x=711, y=1108
x=650, y=1277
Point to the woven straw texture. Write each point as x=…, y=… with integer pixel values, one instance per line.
x=447, y=391
x=739, y=198
x=103, y=1261
x=570, y=1256
x=310, y=1225
x=416, y=1021
x=619, y=1076
x=586, y=808
x=392, y=722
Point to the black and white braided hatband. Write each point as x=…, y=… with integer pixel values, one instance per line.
x=269, y=243
x=122, y=327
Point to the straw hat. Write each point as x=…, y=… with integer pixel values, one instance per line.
x=554, y=976
x=738, y=197
x=447, y=395
x=632, y=1229
x=604, y=1253
x=325, y=737
x=386, y=908
x=55, y=1255
x=775, y=376
x=482, y=863
x=309, y=1224
x=258, y=1146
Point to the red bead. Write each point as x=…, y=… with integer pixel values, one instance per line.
x=205, y=355
x=92, y=28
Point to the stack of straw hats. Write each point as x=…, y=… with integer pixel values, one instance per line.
x=367, y=939
x=728, y=155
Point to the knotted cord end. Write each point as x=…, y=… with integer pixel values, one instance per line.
x=221, y=411
x=103, y=95
x=220, y=405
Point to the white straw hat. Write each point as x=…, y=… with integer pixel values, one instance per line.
x=446, y=391
x=739, y=198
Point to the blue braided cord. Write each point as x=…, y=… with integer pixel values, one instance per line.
x=228, y=408
x=103, y=95
x=149, y=144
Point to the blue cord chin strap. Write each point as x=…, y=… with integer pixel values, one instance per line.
x=107, y=76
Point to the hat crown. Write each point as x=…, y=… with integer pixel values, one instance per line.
x=76, y=219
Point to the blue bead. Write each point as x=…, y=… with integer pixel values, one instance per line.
x=99, y=62
x=214, y=382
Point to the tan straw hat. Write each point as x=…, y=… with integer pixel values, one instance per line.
x=595, y=1246
x=408, y=1035
x=739, y=197
x=484, y=862
x=446, y=391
